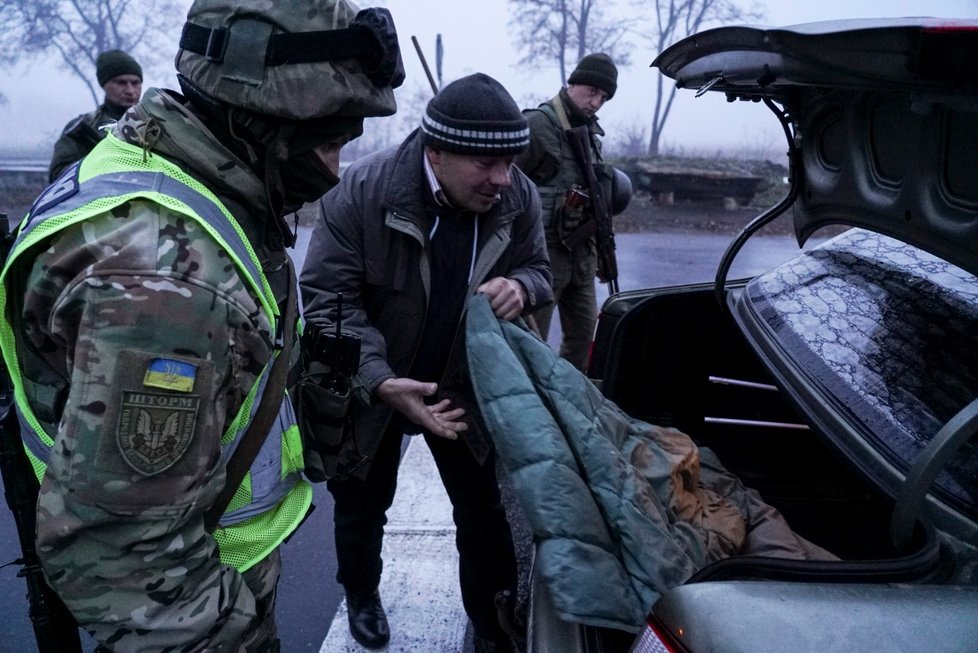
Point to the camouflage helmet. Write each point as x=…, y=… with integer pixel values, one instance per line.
x=292, y=59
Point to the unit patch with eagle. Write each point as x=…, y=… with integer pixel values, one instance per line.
x=155, y=429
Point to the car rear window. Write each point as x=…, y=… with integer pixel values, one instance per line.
x=890, y=335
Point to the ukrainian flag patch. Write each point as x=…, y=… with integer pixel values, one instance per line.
x=170, y=374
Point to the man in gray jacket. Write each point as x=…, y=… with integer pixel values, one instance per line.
x=408, y=235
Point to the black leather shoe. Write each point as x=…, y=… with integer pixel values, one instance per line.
x=484, y=645
x=368, y=621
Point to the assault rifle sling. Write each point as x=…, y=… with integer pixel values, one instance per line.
x=579, y=139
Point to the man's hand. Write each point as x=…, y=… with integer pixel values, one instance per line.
x=407, y=397
x=507, y=297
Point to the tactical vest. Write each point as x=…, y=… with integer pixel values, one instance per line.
x=569, y=174
x=272, y=499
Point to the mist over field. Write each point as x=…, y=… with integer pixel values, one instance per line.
x=41, y=95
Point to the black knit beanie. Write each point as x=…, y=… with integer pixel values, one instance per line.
x=597, y=70
x=113, y=63
x=475, y=115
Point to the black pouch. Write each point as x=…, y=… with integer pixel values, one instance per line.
x=323, y=398
x=325, y=419
x=575, y=222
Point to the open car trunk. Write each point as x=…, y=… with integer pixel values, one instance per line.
x=821, y=397
x=689, y=365
x=709, y=383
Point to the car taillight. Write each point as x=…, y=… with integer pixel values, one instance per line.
x=656, y=639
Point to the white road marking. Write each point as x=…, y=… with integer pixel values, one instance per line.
x=419, y=586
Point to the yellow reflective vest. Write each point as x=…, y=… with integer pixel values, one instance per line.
x=273, y=498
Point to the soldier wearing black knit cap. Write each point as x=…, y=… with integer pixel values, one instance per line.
x=550, y=163
x=121, y=77
x=408, y=235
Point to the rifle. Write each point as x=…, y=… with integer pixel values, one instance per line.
x=424, y=64
x=80, y=130
x=579, y=139
x=54, y=628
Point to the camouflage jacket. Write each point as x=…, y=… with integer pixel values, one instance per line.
x=543, y=160
x=79, y=137
x=550, y=163
x=128, y=552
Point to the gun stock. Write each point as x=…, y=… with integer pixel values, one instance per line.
x=579, y=139
x=83, y=132
x=54, y=628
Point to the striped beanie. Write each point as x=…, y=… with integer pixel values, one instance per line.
x=475, y=115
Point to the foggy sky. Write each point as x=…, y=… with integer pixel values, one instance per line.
x=41, y=99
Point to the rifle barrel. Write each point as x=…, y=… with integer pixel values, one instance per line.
x=424, y=64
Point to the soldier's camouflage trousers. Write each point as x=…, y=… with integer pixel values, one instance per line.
x=262, y=579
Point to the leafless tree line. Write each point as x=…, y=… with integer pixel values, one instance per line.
x=554, y=33
x=77, y=30
x=563, y=31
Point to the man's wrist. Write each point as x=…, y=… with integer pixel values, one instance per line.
x=524, y=293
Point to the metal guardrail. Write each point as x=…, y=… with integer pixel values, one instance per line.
x=23, y=165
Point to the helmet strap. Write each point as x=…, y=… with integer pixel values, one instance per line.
x=246, y=131
x=277, y=230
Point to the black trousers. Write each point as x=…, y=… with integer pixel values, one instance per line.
x=487, y=561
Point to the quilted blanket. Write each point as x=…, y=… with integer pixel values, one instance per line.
x=620, y=510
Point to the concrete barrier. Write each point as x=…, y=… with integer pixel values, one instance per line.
x=21, y=180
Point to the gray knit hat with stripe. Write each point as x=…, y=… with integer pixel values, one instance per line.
x=475, y=115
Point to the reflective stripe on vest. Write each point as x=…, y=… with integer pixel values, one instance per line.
x=69, y=201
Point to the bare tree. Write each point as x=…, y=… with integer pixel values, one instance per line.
x=626, y=141
x=379, y=133
x=563, y=31
x=75, y=31
x=674, y=20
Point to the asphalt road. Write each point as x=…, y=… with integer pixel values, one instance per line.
x=308, y=594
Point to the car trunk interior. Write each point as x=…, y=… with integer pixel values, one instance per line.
x=708, y=383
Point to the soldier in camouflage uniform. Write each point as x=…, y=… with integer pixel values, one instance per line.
x=121, y=77
x=550, y=163
x=143, y=307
